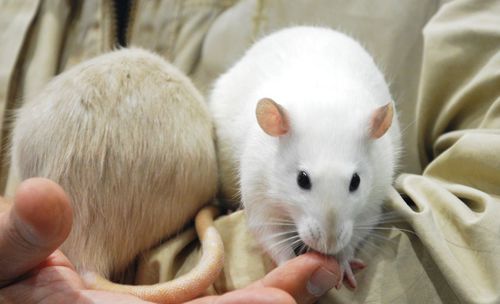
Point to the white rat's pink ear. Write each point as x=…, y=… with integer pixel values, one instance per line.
x=272, y=117
x=381, y=120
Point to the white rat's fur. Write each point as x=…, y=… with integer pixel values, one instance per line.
x=130, y=139
x=329, y=87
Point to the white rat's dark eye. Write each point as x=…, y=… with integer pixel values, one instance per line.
x=355, y=180
x=303, y=180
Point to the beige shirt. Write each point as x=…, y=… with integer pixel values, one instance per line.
x=442, y=59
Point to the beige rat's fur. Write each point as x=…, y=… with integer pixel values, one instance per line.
x=130, y=140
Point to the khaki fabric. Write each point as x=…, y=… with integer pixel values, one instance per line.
x=15, y=21
x=40, y=39
x=442, y=59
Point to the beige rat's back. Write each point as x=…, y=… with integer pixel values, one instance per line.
x=130, y=140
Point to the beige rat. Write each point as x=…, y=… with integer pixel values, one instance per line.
x=130, y=140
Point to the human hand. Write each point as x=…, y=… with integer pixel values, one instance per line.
x=34, y=271
x=301, y=280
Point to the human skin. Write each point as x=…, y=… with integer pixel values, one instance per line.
x=35, y=271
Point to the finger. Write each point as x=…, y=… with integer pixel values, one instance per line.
x=39, y=221
x=48, y=285
x=56, y=258
x=306, y=277
x=4, y=205
x=263, y=295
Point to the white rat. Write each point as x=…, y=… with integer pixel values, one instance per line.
x=306, y=132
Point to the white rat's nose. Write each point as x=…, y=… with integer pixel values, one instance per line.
x=328, y=239
x=343, y=235
x=312, y=235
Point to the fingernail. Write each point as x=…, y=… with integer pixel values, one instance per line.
x=26, y=231
x=321, y=281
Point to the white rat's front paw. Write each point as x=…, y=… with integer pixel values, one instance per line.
x=347, y=275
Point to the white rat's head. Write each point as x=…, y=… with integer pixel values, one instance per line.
x=325, y=173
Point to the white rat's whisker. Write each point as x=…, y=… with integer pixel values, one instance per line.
x=383, y=220
x=279, y=249
x=365, y=241
x=387, y=228
x=390, y=218
x=367, y=223
x=391, y=214
x=407, y=126
x=276, y=247
x=303, y=249
x=368, y=243
x=324, y=245
x=378, y=236
x=284, y=233
x=278, y=224
x=283, y=222
x=297, y=243
x=368, y=249
x=297, y=248
x=290, y=239
x=282, y=219
x=279, y=236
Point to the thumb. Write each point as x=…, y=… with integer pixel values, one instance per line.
x=306, y=277
x=36, y=225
